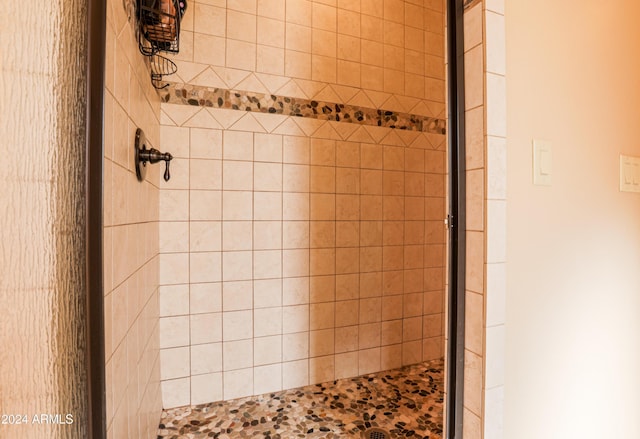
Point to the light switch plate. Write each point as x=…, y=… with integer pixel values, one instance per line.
x=542, y=162
x=629, y=174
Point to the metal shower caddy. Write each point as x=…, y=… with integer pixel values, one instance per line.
x=158, y=30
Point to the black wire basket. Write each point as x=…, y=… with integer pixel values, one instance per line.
x=160, y=67
x=159, y=26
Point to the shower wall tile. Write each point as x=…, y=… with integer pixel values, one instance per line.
x=175, y=363
x=486, y=258
x=176, y=392
x=238, y=383
x=316, y=246
x=496, y=219
x=473, y=27
x=206, y=358
x=495, y=39
x=174, y=300
x=295, y=374
x=131, y=252
x=267, y=378
x=205, y=388
x=346, y=365
x=496, y=105
x=267, y=350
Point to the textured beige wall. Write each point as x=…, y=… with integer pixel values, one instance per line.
x=573, y=307
x=130, y=239
x=42, y=260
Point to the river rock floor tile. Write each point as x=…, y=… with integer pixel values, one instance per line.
x=406, y=402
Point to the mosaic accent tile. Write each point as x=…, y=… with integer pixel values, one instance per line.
x=267, y=103
x=406, y=402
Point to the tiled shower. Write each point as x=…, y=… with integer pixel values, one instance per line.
x=300, y=238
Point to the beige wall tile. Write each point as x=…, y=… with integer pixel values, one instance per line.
x=475, y=266
x=295, y=318
x=474, y=318
x=206, y=358
x=369, y=335
x=209, y=20
x=175, y=363
x=346, y=339
x=496, y=105
x=321, y=342
x=237, y=295
x=322, y=289
x=267, y=264
x=237, y=354
x=237, y=325
x=322, y=316
x=267, y=378
x=272, y=9
x=346, y=365
x=270, y=60
x=347, y=313
x=267, y=350
x=202, y=205
x=205, y=236
x=321, y=369
x=237, y=235
x=298, y=38
x=295, y=346
x=206, y=388
x=267, y=292
x=295, y=263
x=237, y=205
x=368, y=360
x=205, y=267
x=495, y=37
x=205, y=328
x=174, y=331
x=242, y=5
x=174, y=300
x=299, y=12
x=176, y=393
x=411, y=352
x=297, y=64
x=495, y=355
x=474, y=68
x=268, y=211
x=207, y=49
x=269, y=205
x=205, y=297
x=295, y=373
x=472, y=425
x=237, y=383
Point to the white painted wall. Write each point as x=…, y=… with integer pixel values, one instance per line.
x=573, y=300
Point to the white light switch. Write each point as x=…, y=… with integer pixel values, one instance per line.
x=629, y=174
x=542, y=162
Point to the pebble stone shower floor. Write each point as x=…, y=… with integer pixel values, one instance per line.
x=406, y=402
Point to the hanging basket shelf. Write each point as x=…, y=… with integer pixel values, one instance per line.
x=159, y=31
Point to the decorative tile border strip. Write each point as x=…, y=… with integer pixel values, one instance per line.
x=264, y=103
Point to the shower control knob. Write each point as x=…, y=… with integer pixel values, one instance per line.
x=144, y=155
x=167, y=176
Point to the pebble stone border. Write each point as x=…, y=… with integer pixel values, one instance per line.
x=407, y=402
x=187, y=94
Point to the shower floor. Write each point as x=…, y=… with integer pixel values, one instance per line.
x=406, y=402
